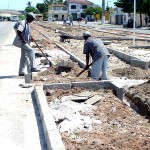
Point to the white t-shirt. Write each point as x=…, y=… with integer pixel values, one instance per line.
x=24, y=28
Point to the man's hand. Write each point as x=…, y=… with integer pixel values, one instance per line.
x=24, y=42
x=86, y=67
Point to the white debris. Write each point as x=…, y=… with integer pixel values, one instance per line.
x=70, y=112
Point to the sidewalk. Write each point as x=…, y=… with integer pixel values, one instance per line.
x=20, y=124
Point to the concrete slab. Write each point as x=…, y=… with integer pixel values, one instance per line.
x=140, y=63
x=93, y=99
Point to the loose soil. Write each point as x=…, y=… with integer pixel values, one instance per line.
x=117, y=127
x=139, y=95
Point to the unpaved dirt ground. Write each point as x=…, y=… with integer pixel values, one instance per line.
x=139, y=95
x=117, y=126
x=50, y=75
x=120, y=127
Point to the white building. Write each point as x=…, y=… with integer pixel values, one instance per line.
x=73, y=7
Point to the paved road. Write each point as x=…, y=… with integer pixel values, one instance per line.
x=115, y=27
x=20, y=124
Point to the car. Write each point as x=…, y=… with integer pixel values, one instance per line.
x=80, y=19
x=128, y=23
x=51, y=18
x=91, y=19
x=14, y=18
x=1, y=18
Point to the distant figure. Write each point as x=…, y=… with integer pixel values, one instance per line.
x=71, y=20
x=146, y=20
x=64, y=20
x=86, y=20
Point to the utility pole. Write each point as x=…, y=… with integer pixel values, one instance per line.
x=103, y=12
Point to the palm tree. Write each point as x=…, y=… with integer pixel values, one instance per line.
x=29, y=3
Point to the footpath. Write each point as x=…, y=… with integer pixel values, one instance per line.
x=20, y=124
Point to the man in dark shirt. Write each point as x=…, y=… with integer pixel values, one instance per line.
x=95, y=48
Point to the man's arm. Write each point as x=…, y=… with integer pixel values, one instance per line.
x=87, y=61
x=21, y=36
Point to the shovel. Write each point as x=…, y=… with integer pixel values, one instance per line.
x=84, y=69
x=42, y=51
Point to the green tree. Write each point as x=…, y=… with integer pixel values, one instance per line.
x=142, y=6
x=93, y=11
x=43, y=9
x=30, y=9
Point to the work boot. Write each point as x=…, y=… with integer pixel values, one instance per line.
x=35, y=70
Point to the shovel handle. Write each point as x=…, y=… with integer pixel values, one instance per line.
x=41, y=50
x=83, y=70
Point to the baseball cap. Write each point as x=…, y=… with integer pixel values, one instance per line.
x=31, y=14
x=86, y=33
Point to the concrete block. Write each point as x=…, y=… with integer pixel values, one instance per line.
x=120, y=55
x=52, y=135
x=107, y=42
x=44, y=61
x=110, y=50
x=64, y=86
x=126, y=58
x=66, y=64
x=93, y=99
x=118, y=92
x=140, y=63
x=115, y=52
x=89, y=84
x=63, y=69
x=136, y=47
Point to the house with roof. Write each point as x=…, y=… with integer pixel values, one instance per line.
x=76, y=7
x=70, y=7
x=57, y=11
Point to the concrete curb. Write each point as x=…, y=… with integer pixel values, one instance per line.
x=73, y=57
x=52, y=135
x=133, y=61
x=145, y=47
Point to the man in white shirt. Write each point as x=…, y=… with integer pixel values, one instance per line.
x=27, y=54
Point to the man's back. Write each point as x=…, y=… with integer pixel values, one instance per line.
x=95, y=47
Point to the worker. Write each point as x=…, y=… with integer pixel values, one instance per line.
x=27, y=54
x=95, y=49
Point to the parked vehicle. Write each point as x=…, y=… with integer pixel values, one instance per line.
x=51, y=18
x=14, y=18
x=80, y=19
x=128, y=23
x=1, y=18
x=91, y=19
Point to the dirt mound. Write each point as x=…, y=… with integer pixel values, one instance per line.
x=140, y=97
x=132, y=73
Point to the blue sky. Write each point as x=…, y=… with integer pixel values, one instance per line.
x=21, y=4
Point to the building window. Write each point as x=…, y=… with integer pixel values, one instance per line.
x=73, y=6
x=56, y=8
x=56, y=16
x=64, y=8
x=84, y=6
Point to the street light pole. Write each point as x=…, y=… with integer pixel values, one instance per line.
x=103, y=12
x=134, y=22
x=107, y=3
